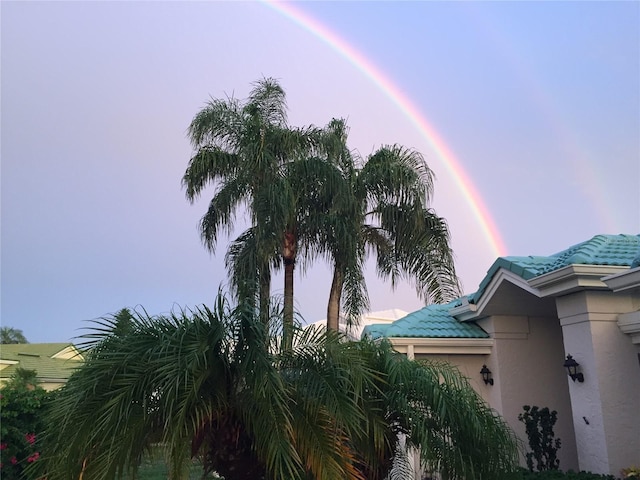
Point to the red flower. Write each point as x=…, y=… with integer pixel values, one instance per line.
x=30, y=437
x=33, y=457
x=3, y=446
x=14, y=460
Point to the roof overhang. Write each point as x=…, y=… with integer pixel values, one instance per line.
x=442, y=346
x=625, y=280
x=7, y=363
x=572, y=278
x=629, y=323
x=470, y=311
x=52, y=380
x=69, y=353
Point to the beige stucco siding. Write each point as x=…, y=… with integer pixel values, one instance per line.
x=527, y=364
x=609, y=398
x=469, y=366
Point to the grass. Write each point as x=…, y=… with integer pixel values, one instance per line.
x=154, y=467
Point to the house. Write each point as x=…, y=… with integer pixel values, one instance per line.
x=531, y=316
x=370, y=318
x=53, y=362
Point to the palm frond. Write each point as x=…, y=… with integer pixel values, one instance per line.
x=222, y=211
x=208, y=165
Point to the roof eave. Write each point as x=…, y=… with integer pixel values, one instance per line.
x=573, y=278
x=625, y=280
x=443, y=346
x=470, y=312
x=464, y=311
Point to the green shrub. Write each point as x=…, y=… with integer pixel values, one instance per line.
x=631, y=473
x=525, y=474
x=20, y=425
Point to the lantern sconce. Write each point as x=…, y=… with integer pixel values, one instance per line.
x=572, y=369
x=486, y=375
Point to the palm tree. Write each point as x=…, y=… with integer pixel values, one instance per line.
x=11, y=335
x=247, y=151
x=213, y=384
x=308, y=196
x=385, y=210
x=429, y=407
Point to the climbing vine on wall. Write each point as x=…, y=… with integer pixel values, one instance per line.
x=543, y=445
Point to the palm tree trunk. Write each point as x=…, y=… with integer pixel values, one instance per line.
x=289, y=260
x=333, y=308
x=265, y=296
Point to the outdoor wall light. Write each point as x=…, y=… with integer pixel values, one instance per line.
x=572, y=368
x=486, y=375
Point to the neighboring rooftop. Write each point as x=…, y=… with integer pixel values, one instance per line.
x=378, y=317
x=51, y=361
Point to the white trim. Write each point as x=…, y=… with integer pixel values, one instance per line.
x=9, y=362
x=69, y=352
x=468, y=311
x=629, y=323
x=572, y=278
x=623, y=280
x=464, y=311
x=443, y=346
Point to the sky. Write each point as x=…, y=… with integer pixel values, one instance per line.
x=527, y=112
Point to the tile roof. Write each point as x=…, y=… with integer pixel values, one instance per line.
x=41, y=358
x=432, y=321
x=622, y=250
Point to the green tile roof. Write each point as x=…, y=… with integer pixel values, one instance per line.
x=432, y=321
x=38, y=357
x=621, y=250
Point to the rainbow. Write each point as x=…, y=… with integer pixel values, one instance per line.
x=586, y=168
x=453, y=166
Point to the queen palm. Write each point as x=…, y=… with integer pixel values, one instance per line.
x=247, y=151
x=385, y=210
x=210, y=384
x=316, y=185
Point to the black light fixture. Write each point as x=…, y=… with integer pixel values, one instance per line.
x=486, y=375
x=572, y=368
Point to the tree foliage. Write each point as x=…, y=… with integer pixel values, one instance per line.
x=309, y=196
x=383, y=208
x=215, y=383
x=9, y=335
x=21, y=424
x=255, y=161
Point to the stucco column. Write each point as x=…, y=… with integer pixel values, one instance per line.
x=606, y=405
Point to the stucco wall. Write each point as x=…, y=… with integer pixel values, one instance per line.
x=527, y=364
x=609, y=398
x=469, y=366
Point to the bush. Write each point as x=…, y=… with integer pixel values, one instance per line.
x=631, y=473
x=21, y=403
x=525, y=474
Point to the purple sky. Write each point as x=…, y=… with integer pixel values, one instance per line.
x=540, y=102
